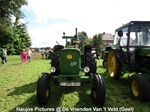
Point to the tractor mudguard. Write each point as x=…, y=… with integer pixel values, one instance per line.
x=106, y=52
x=118, y=53
x=113, y=47
x=120, y=56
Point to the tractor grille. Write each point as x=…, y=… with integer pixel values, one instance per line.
x=70, y=61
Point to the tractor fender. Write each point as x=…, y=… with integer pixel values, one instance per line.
x=112, y=47
x=118, y=53
x=120, y=56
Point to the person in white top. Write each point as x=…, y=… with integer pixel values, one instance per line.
x=29, y=55
x=5, y=52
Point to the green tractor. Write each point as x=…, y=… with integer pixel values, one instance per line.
x=67, y=66
x=130, y=53
x=103, y=55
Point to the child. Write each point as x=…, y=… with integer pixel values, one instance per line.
x=29, y=54
x=23, y=56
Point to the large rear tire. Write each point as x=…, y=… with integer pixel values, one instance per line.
x=113, y=65
x=90, y=61
x=43, y=89
x=98, y=90
x=140, y=87
x=104, y=63
x=55, y=58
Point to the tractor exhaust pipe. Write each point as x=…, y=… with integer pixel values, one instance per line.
x=76, y=38
x=76, y=35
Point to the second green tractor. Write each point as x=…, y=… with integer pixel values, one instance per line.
x=130, y=53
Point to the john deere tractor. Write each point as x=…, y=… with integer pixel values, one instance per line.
x=66, y=69
x=130, y=53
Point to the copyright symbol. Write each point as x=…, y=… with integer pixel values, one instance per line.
x=58, y=109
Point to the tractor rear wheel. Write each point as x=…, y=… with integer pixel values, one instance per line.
x=113, y=65
x=140, y=87
x=90, y=61
x=55, y=58
x=43, y=89
x=104, y=63
x=98, y=90
x=55, y=62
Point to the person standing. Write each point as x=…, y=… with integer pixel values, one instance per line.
x=29, y=55
x=5, y=52
x=23, y=56
x=42, y=53
x=3, y=57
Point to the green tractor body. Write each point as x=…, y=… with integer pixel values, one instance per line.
x=71, y=71
x=71, y=67
x=72, y=60
x=130, y=54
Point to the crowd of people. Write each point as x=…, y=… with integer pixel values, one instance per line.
x=25, y=56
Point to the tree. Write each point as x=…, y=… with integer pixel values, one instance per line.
x=14, y=36
x=84, y=39
x=98, y=42
x=21, y=37
x=10, y=7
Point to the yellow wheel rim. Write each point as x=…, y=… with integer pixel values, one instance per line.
x=112, y=64
x=135, y=88
x=100, y=55
x=47, y=93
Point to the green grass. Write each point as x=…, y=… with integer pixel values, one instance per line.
x=18, y=89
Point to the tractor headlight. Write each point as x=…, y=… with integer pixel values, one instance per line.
x=86, y=69
x=53, y=69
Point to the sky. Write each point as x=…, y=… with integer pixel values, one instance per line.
x=46, y=20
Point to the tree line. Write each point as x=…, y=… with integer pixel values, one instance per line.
x=96, y=41
x=13, y=34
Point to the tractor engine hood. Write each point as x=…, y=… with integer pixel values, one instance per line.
x=144, y=52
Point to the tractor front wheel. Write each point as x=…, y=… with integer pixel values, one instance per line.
x=140, y=87
x=104, y=63
x=43, y=89
x=113, y=65
x=98, y=90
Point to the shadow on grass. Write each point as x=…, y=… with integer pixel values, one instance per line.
x=118, y=89
x=29, y=104
x=57, y=97
x=27, y=88
x=85, y=97
x=18, y=63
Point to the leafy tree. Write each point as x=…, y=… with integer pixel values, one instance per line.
x=10, y=7
x=21, y=36
x=82, y=36
x=98, y=42
x=87, y=41
x=14, y=36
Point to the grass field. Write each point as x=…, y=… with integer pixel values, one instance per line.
x=18, y=90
